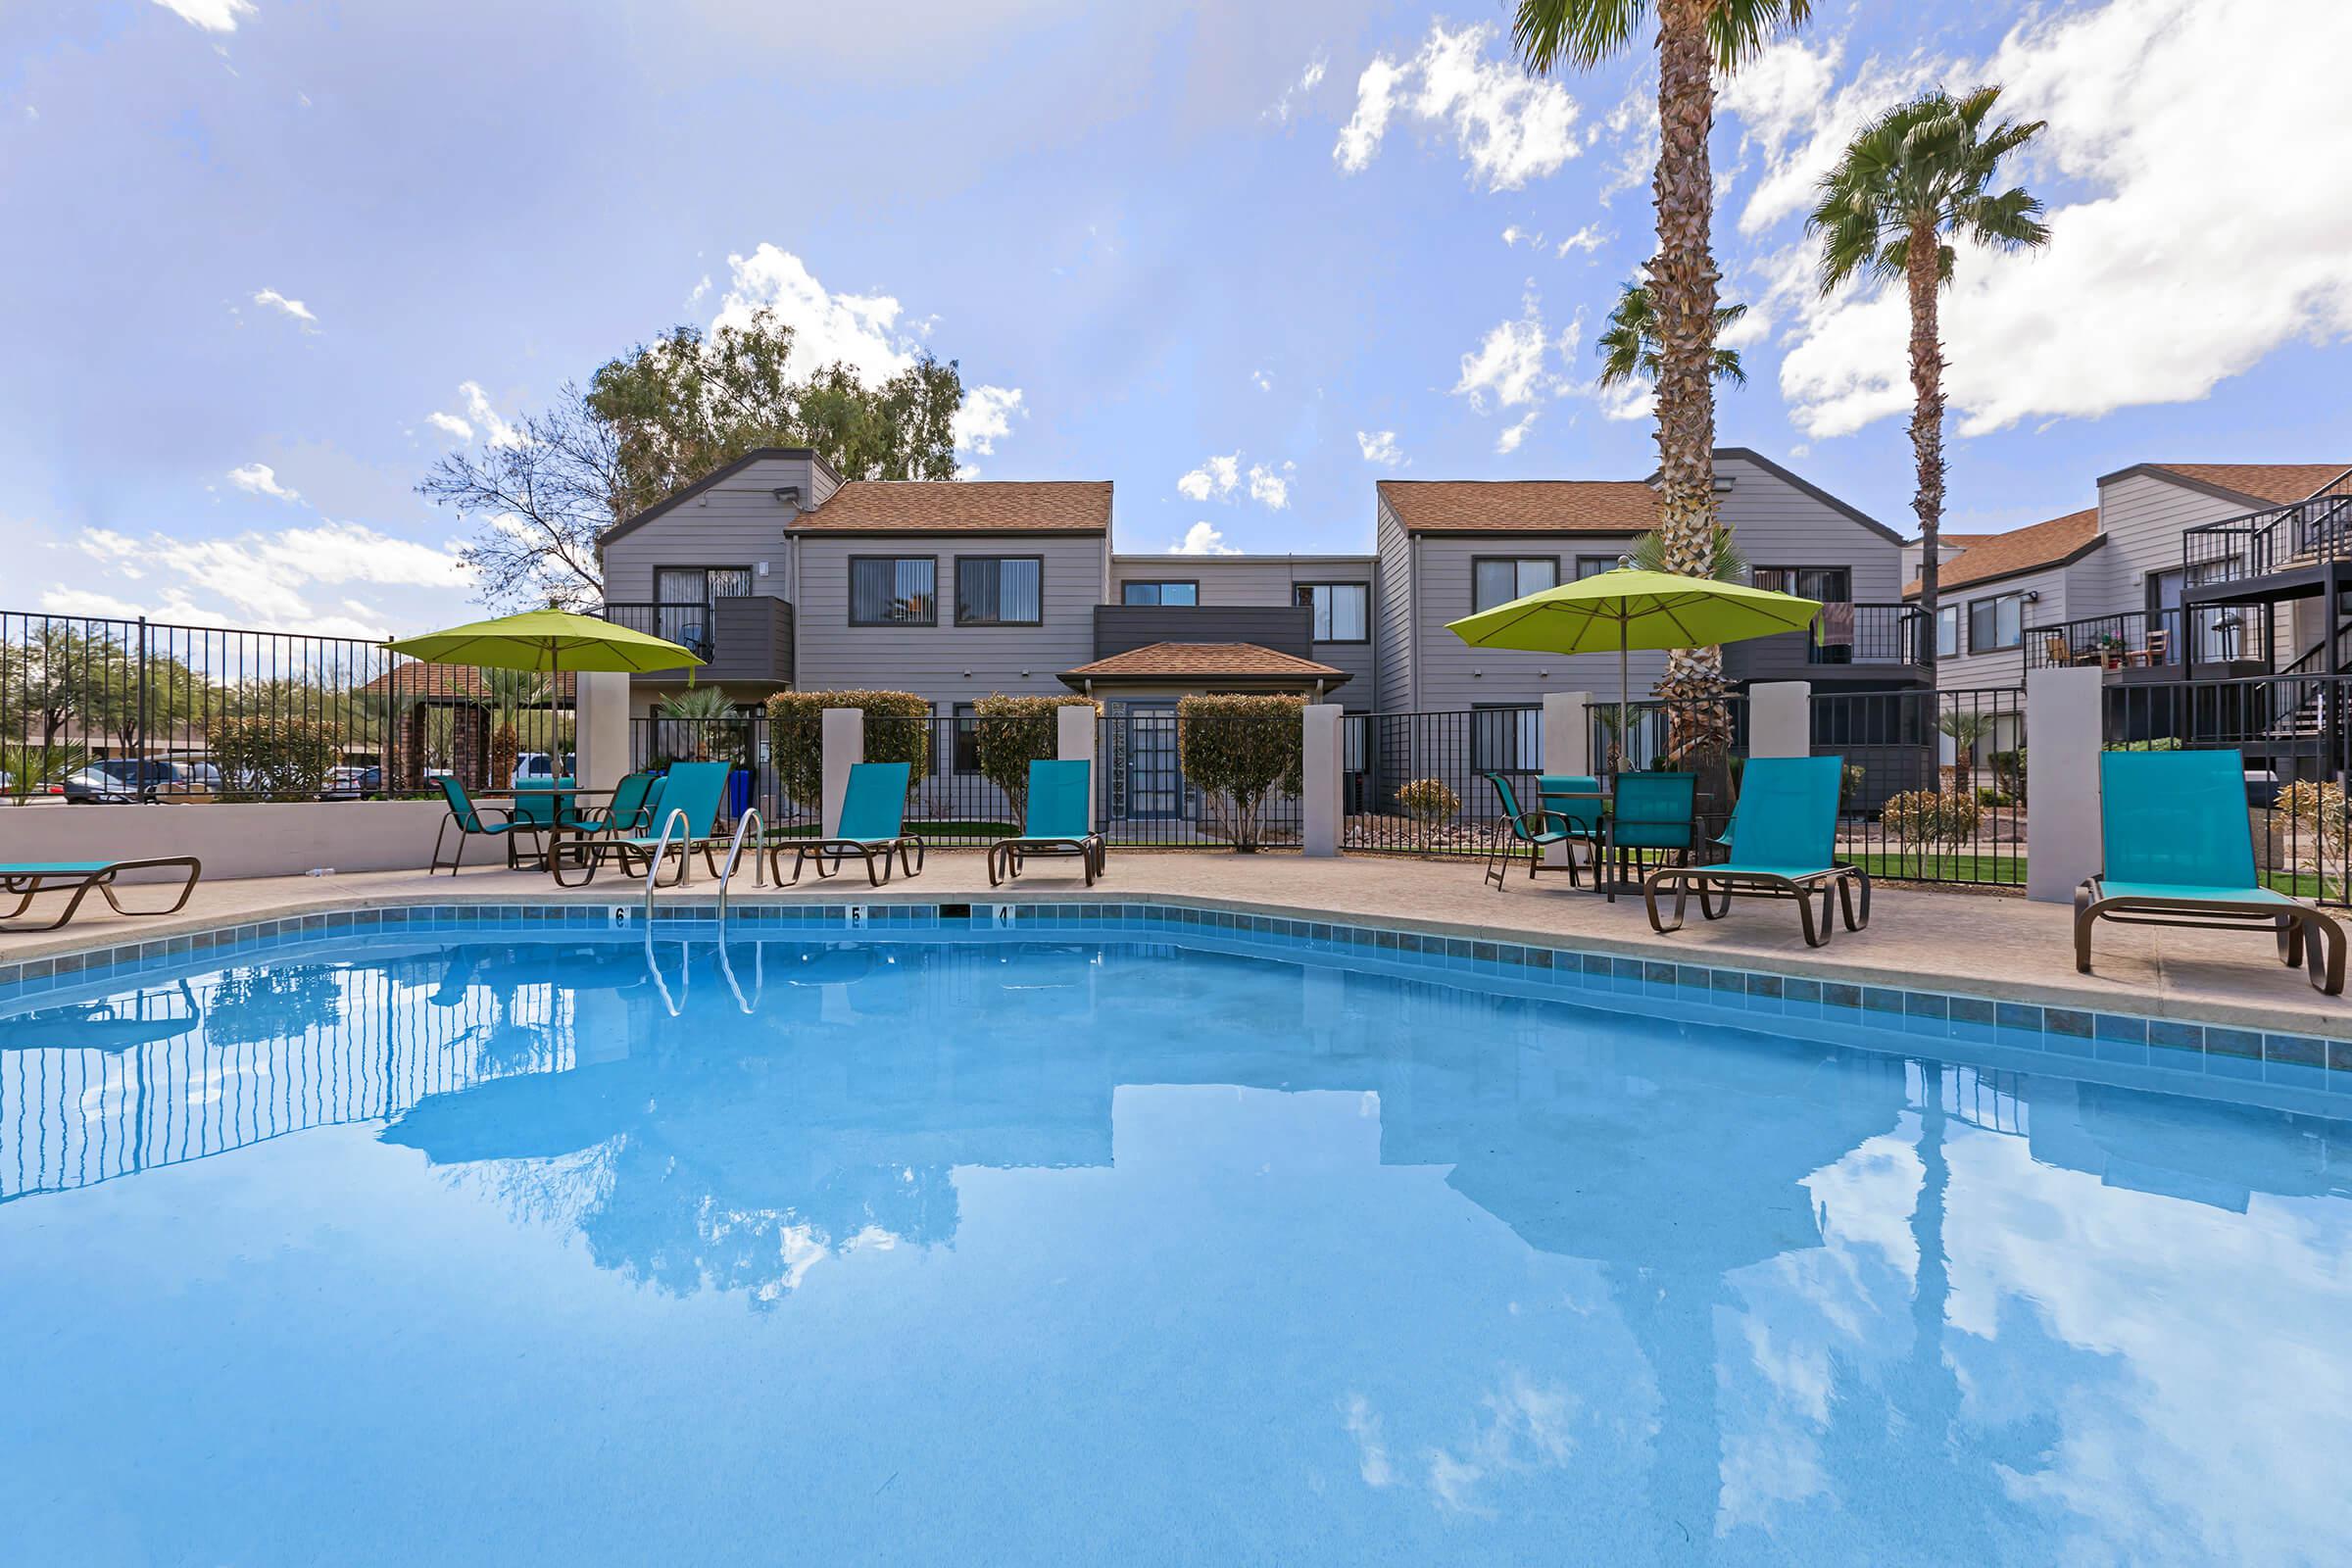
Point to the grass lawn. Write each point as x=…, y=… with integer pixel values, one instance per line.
x=1969, y=866
x=921, y=830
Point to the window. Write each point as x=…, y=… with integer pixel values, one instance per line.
x=967, y=739
x=1159, y=593
x=683, y=597
x=894, y=591
x=1506, y=738
x=1343, y=611
x=1947, y=631
x=1497, y=580
x=1831, y=585
x=999, y=590
x=1594, y=566
x=1996, y=622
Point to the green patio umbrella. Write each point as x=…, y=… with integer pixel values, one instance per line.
x=1626, y=609
x=551, y=640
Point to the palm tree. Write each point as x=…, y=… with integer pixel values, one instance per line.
x=1696, y=39
x=1913, y=178
x=511, y=692
x=1629, y=345
x=1727, y=561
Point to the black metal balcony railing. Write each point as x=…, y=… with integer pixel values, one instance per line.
x=2141, y=640
x=1875, y=634
x=2305, y=533
x=686, y=622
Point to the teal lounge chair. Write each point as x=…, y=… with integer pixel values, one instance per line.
x=471, y=821
x=538, y=813
x=694, y=790
x=1651, y=812
x=25, y=880
x=873, y=826
x=2179, y=850
x=1054, y=822
x=1782, y=835
x=1571, y=810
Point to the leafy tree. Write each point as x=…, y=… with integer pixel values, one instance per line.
x=1011, y=732
x=1629, y=344
x=1239, y=751
x=1917, y=175
x=898, y=729
x=512, y=693
x=1696, y=39
x=658, y=418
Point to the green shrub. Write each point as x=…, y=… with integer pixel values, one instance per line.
x=1238, y=751
x=2009, y=772
x=796, y=728
x=1930, y=817
x=1011, y=732
x=2163, y=743
x=1429, y=802
x=273, y=759
x=1987, y=795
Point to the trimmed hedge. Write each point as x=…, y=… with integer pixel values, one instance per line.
x=1930, y=817
x=796, y=728
x=273, y=759
x=1428, y=801
x=1011, y=732
x=1238, y=751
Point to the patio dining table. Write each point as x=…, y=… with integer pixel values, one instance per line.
x=554, y=827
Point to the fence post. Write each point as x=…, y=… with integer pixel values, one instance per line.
x=1567, y=750
x=2063, y=731
x=1074, y=742
x=601, y=728
x=1780, y=719
x=1321, y=808
x=840, y=741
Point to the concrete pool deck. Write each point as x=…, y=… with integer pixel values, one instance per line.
x=1979, y=944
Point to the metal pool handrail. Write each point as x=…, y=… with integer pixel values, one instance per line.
x=734, y=849
x=660, y=848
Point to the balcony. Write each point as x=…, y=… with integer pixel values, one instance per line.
x=1285, y=628
x=2294, y=547
x=2140, y=645
x=1877, y=641
x=738, y=639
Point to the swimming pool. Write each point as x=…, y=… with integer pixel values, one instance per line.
x=1133, y=1242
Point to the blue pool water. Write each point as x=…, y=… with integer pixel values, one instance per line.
x=475, y=1247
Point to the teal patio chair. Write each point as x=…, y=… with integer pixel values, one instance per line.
x=874, y=827
x=471, y=821
x=1576, y=815
x=624, y=812
x=1651, y=812
x=2179, y=849
x=1052, y=823
x=694, y=790
x=1782, y=839
x=538, y=813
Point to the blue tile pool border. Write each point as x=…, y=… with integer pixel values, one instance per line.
x=2069, y=1036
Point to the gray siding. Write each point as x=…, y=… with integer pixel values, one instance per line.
x=735, y=523
x=2059, y=588
x=1262, y=580
x=948, y=663
x=1391, y=615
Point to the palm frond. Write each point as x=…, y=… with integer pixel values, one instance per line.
x=1738, y=28
x=1581, y=32
x=1629, y=344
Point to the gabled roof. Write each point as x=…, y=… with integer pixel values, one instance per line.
x=2054, y=542
x=961, y=505
x=1205, y=662
x=1522, y=505
x=2262, y=484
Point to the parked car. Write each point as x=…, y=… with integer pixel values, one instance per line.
x=128, y=779
x=349, y=783
x=538, y=768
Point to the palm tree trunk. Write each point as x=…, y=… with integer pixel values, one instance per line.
x=1926, y=427
x=1683, y=280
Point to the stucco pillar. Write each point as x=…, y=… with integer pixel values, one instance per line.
x=1567, y=749
x=600, y=729
x=842, y=742
x=1074, y=729
x=1321, y=808
x=2063, y=730
x=1780, y=719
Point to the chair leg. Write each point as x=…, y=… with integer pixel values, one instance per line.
x=1816, y=934
x=2083, y=918
x=2324, y=945
x=1649, y=900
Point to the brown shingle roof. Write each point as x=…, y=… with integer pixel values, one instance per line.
x=963, y=506
x=2278, y=483
x=1205, y=662
x=1999, y=555
x=1522, y=505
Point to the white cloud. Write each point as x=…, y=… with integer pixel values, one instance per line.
x=1306, y=82
x=213, y=16
x=1380, y=445
x=1203, y=539
x=695, y=296
x=1514, y=234
x=1507, y=366
x=986, y=415
x=451, y=426
x=260, y=479
x=2145, y=295
x=262, y=576
x=479, y=416
x=1588, y=238
x=1632, y=129
x=1268, y=488
x=293, y=309
x=1261, y=380
x=1508, y=126
x=1216, y=477
x=1512, y=436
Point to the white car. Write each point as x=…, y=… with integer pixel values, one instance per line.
x=538, y=768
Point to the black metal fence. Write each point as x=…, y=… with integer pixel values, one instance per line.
x=129, y=710
x=1229, y=782
x=1935, y=782
x=1417, y=783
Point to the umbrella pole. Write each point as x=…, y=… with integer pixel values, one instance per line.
x=1623, y=683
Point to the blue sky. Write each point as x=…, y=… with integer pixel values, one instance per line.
x=270, y=258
